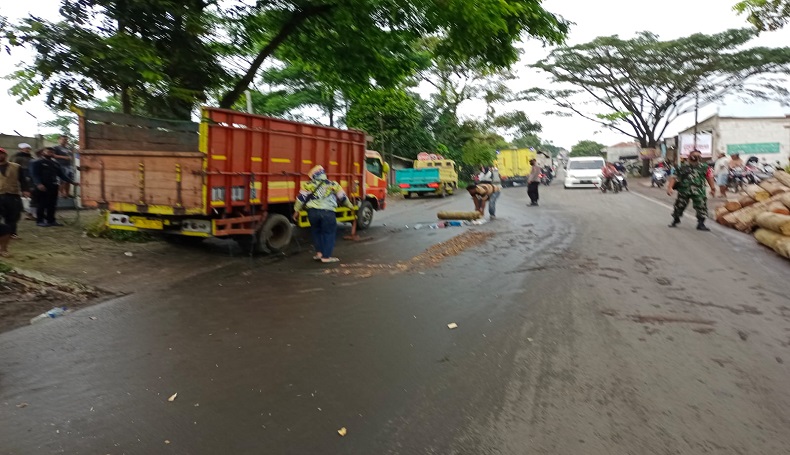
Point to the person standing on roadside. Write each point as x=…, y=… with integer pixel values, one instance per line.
x=721, y=172
x=45, y=173
x=321, y=196
x=65, y=157
x=533, y=183
x=23, y=158
x=690, y=182
x=12, y=180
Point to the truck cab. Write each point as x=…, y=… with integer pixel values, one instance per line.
x=437, y=176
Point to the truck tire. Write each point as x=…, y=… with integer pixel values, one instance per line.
x=443, y=194
x=407, y=195
x=275, y=234
x=364, y=215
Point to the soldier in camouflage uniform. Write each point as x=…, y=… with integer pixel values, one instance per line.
x=690, y=181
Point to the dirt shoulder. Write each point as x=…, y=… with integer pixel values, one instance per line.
x=62, y=266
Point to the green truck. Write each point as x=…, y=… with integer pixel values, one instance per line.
x=438, y=177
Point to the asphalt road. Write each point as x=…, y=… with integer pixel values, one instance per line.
x=585, y=326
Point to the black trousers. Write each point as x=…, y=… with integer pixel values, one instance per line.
x=532, y=191
x=47, y=204
x=10, y=210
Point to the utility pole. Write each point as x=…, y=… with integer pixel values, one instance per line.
x=249, y=101
x=696, y=121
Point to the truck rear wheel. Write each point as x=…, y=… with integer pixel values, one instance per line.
x=364, y=215
x=275, y=234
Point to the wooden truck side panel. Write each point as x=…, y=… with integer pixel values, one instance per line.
x=135, y=164
x=265, y=159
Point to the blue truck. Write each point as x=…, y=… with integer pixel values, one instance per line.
x=437, y=177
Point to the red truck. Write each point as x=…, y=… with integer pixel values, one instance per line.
x=233, y=175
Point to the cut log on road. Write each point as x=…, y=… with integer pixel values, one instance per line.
x=732, y=205
x=757, y=193
x=743, y=219
x=746, y=201
x=783, y=177
x=778, y=207
x=774, y=222
x=784, y=198
x=777, y=242
x=773, y=187
x=720, y=213
x=458, y=215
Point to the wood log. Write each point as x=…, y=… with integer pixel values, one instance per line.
x=743, y=219
x=757, y=193
x=720, y=212
x=773, y=187
x=777, y=242
x=458, y=215
x=733, y=205
x=784, y=198
x=746, y=201
x=783, y=177
x=778, y=207
x=774, y=222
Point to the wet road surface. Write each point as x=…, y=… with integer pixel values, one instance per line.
x=584, y=326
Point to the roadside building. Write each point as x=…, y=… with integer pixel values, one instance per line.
x=623, y=151
x=767, y=138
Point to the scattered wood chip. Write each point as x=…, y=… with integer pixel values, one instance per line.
x=342, y=431
x=93, y=318
x=172, y=397
x=22, y=405
x=167, y=441
x=452, y=325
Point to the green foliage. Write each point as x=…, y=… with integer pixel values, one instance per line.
x=394, y=118
x=765, y=15
x=364, y=43
x=5, y=268
x=155, y=53
x=587, y=148
x=646, y=83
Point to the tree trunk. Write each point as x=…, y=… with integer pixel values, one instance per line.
x=288, y=28
x=126, y=100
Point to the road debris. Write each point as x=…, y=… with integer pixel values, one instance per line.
x=452, y=325
x=172, y=397
x=129, y=253
x=22, y=405
x=342, y=431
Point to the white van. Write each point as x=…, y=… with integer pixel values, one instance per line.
x=583, y=172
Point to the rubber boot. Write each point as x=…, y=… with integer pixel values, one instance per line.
x=675, y=222
x=701, y=225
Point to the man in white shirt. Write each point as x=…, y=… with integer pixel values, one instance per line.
x=721, y=172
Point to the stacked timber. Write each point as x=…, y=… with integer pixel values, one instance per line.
x=764, y=209
x=774, y=232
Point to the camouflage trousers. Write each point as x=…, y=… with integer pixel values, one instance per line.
x=697, y=198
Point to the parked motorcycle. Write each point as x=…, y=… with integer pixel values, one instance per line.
x=658, y=177
x=738, y=180
x=545, y=179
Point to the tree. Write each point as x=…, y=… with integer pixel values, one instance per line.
x=373, y=40
x=765, y=14
x=587, y=148
x=393, y=117
x=155, y=53
x=643, y=84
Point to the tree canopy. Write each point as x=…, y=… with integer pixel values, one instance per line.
x=587, y=148
x=643, y=84
x=169, y=55
x=765, y=14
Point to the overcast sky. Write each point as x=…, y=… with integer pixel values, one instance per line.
x=668, y=18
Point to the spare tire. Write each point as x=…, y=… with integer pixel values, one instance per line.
x=275, y=234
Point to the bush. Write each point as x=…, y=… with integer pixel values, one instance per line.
x=5, y=268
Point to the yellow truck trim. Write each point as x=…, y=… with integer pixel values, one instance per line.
x=307, y=162
x=203, y=148
x=280, y=160
x=256, y=159
x=343, y=215
x=219, y=157
x=125, y=207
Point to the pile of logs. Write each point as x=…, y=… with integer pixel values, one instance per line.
x=765, y=207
